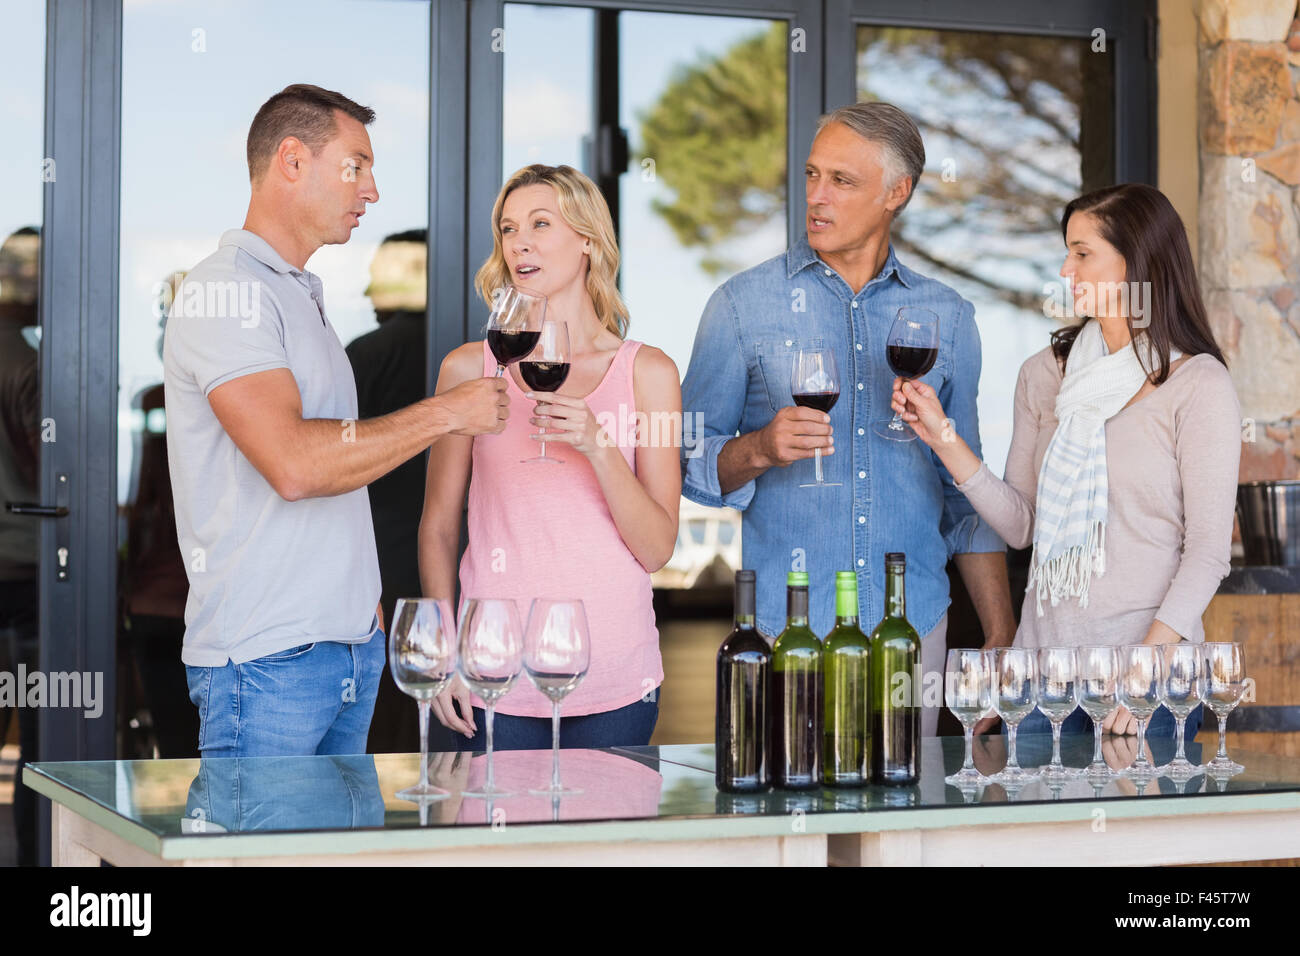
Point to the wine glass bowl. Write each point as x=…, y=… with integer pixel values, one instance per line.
x=514, y=325
x=911, y=350
x=557, y=653
x=545, y=369
x=491, y=656
x=815, y=383
x=422, y=652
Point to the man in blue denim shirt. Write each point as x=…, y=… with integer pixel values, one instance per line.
x=840, y=287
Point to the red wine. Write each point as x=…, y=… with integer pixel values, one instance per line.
x=510, y=347
x=544, y=376
x=822, y=401
x=909, y=361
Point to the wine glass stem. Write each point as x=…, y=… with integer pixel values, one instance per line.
x=491, y=709
x=1011, y=746
x=424, y=744
x=555, y=745
x=1223, y=739
x=1180, y=755
x=1142, y=741
x=969, y=762
x=1056, y=743
x=501, y=370
x=817, y=461
x=1096, y=740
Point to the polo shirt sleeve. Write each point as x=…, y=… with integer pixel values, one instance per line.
x=713, y=401
x=222, y=328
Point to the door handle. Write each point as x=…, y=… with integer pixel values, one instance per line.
x=35, y=510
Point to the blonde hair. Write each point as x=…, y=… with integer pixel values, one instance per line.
x=583, y=208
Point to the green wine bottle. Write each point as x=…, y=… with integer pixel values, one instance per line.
x=846, y=711
x=895, y=670
x=796, y=694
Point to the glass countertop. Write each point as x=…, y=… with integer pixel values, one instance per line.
x=157, y=802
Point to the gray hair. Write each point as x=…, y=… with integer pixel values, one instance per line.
x=902, y=152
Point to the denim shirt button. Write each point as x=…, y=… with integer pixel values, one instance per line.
x=862, y=519
x=855, y=303
x=862, y=474
x=861, y=562
x=859, y=346
x=789, y=342
x=861, y=431
x=828, y=272
x=859, y=386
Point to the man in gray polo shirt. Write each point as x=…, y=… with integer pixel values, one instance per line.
x=283, y=642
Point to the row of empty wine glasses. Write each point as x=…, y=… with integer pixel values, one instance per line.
x=1011, y=682
x=426, y=651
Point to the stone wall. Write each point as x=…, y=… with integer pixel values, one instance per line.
x=1250, y=216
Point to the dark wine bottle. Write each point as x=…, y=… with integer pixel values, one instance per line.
x=846, y=710
x=742, y=760
x=796, y=694
x=895, y=693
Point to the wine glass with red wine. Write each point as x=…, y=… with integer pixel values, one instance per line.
x=815, y=383
x=911, y=349
x=514, y=325
x=546, y=367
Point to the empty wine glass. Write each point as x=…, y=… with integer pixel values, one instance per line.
x=422, y=660
x=815, y=383
x=491, y=655
x=1014, y=673
x=1098, y=696
x=557, y=652
x=514, y=325
x=1141, y=688
x=1058, y=696
x=968, y=690
x=1225, y=682
x=1184, y=684
x=911, y=350
x=545, y=368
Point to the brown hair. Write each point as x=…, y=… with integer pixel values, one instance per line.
x=300, y=110
x=1145, y=229
x=584, y=209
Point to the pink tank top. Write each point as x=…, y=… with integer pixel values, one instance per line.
x=546, y=531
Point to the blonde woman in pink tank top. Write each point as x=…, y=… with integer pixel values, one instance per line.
x=593, y=527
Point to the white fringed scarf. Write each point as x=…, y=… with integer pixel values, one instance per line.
x=1071, y=512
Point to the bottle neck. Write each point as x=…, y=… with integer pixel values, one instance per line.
x=744, y=606
x=796, y=607
x=846, y=607
x=895, y=601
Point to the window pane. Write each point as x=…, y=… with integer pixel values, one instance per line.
x=194, y=76
x=24, y=171
x=1014, y=127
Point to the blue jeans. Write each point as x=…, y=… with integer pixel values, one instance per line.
x=625, y=727
x=312, y=699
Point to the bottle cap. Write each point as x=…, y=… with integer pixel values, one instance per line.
x=796, y=579
x=846, y=581
x=895, y=559
x=745, y=576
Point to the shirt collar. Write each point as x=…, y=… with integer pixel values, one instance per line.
x=801, y=255
x=259, y=249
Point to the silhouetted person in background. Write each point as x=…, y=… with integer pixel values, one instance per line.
x=389, y=366
x=20, y=414
x=153, y=583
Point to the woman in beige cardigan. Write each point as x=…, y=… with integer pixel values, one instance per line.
x=1135, y=415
